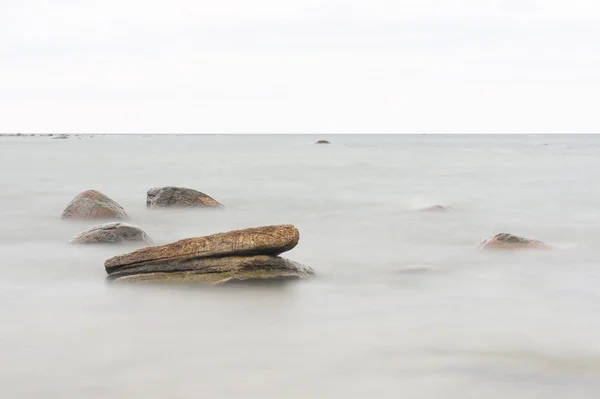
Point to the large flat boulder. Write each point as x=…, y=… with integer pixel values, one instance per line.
x=92, y=204
x=267, y=240
x=165, y=197
x=511, y=242
x=115, y=232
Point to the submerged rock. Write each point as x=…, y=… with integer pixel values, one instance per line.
x=92, y=204
x=115, y=232
x=215, y=270
x=509, y=241
x=322, y=142
x=178, y=197
x=439, y=208
x=248, y=255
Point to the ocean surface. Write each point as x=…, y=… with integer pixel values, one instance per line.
x=404, y=304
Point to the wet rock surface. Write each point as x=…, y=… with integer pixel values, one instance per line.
x=163, y=197
x=115, y=232
x=510, y=241
x=223, y=258
x=92, y=204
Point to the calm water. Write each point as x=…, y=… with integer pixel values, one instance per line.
x=404, y=304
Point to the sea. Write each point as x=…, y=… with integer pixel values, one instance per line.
x=404, y=303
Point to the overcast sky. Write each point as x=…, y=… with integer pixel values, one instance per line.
x=302, y=66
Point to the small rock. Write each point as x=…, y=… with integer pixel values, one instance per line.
x=93, y=204
x=439, y=208
x=60, y=137
x=115, y=232
x=162, y=197
x=322, y=142
x=509, y=241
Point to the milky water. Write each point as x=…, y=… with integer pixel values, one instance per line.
x=404, y=304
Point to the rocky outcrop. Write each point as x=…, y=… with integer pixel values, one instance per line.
x=322, y=142
x=93, y=204
x=248, y=255
x=439, y=208
x=115, y=232
x=161, y=197
x=509, y=241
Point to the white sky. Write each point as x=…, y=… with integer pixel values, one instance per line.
x=302, y=66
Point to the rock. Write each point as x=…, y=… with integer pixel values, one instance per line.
x=439, y=208
x=92, y=204
x=215, y=270
x=268, y=240
x=509, y=241
x=60, y=137
x=249, y=255
x=115, y=232
x=322, y=142
x=178, y=197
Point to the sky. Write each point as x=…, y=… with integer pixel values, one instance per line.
x=303, y=66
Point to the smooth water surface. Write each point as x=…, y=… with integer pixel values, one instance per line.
x=404, y=304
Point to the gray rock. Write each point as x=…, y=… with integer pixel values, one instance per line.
x=115, y=232
x=510, y=242
x=179, y=197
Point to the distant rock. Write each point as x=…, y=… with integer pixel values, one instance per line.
x=249, y=255
x=164, y=197
x=92, y=204
x=509, y=241
x=115, y=232
x=60, y=137
x=322, y=142
x=439, y=208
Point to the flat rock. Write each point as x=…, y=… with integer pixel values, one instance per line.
x=92, y=204
x=115, y=232
x=223, y=270
x=60, y=137
x=509, y=241
x=267, y=240
x=179, y=197
x=322, y=142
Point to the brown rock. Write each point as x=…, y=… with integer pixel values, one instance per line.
x=178, y=197
x=112, y=233
x=268, y=240
x=215, y=270
x=93, y=204
x=509, y=241
x=322, y=142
